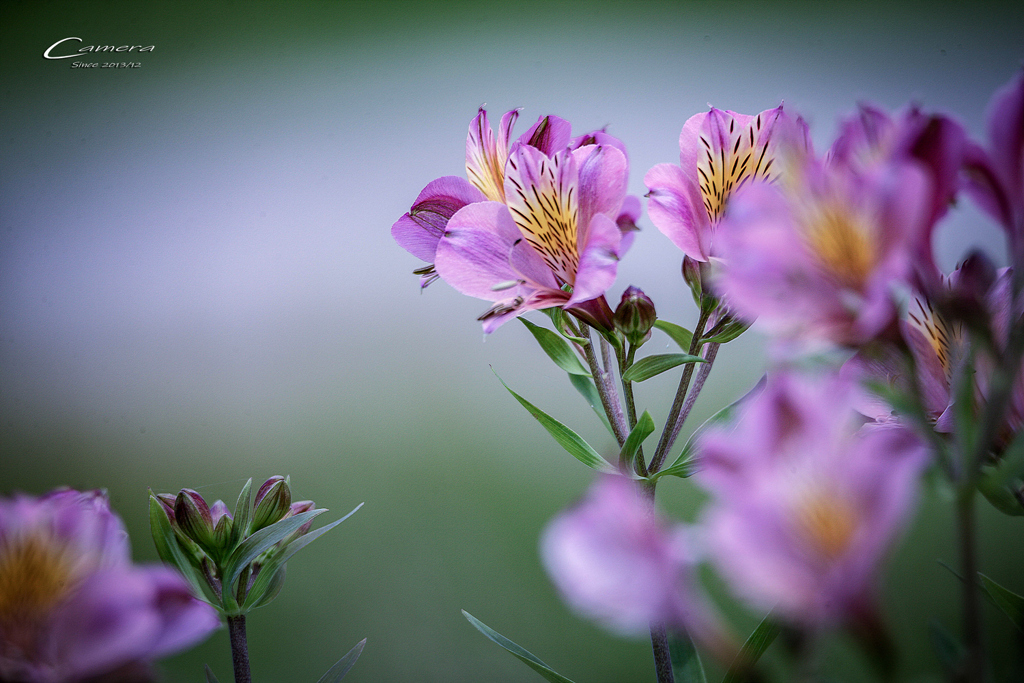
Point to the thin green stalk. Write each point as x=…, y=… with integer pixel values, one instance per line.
x=673, y=424
x=974, y=663
x=239, y=649
x=605, y=389
x=625, y=362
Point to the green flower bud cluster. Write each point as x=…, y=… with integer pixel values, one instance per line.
x=235, y=562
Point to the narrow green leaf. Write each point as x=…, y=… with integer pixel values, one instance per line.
x=648, y=367
x=520, y=653
x=585, y=385
x=566, y=438
x=251, y=548
x=269, y=571
x=557, y=349
x=1009, y=602
x=643, y=429
x=338, y=671
x=686, y=664
x=755, y=645
x=683, y=467
x=948, y=650
x=210, y=678
x=269, y=590
x=680, y=335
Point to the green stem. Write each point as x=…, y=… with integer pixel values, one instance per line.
x=625, y=362
x=605, y=389
x=673, y=424
x=974, y=663
x=239, y=649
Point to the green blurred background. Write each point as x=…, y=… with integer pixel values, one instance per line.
x=198, y=285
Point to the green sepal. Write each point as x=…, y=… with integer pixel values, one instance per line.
x=243, y=514
x=338, y=671
x=686, y=664
x=269, y=572
x=253, y=546
x=998, y=481
x=648, y=367
x=725, y=332
x=1011, y=604
x=557, y=349
x=643, y=429
x=518, y=652
x=566, y=438
x=949, y=651
x=167, y=548
x=585, y=385
x=557, y=316
x=680, y=335
x=268, y=590
x=210, y=678
x=757, y=642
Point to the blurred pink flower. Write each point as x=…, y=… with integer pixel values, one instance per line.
x=806, y=499
x=614, y=561
x=73, y=607
x=815, y=256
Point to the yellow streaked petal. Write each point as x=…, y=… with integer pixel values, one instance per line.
x=731, y=155
x=542, y=197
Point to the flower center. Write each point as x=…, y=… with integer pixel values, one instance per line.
x=842, y=246
x=827, y=522
x=36, y=574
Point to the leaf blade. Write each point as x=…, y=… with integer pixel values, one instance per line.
x=557, y=349
x=517, y=651
x=343, y=665
x=566, y=438
x=650, y=366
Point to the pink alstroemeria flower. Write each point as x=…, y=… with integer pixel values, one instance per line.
x=996, y=176
x=806, y=499
x=934, y=143
x=719, y=152
x=73, y=607
x=815, y=257
x=614, y=560
x=554, y=240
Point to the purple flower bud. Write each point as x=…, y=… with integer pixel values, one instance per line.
x=635, y=316
x=166, y=501
x=273, y=502
x=194, y=518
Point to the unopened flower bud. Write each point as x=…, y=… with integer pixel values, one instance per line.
x=695, y=275
x=194, y=519
x=298, y=508
x=635, y=316
x=273, y=502
x=166, y=501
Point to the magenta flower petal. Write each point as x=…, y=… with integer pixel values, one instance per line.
x=474, y=255
x=676, y=208
x=122, y=616
x=419, y=231
x=549, y=135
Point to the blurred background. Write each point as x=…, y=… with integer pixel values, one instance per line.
x=198, y=285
